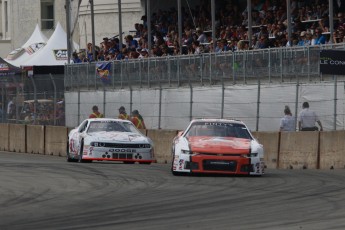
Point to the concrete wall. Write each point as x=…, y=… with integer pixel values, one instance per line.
x=4, y=137
x=270, y=142
x=17, y=138
x=332, y=149
x=35, y=139
x=298, y=150
x=285, y=150
x=56, y=140
x=163, y=143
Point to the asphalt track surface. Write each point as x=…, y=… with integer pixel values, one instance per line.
x=46, y=192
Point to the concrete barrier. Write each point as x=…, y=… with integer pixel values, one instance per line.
x=17, y=138
x=270, y=142
x=4, y=137
x=332, y=149
x=298, y=150
x=35, y=139
x=56, y=140
x=163, y=143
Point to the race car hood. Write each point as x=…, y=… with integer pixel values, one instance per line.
x=118, y=136
x=219, y=145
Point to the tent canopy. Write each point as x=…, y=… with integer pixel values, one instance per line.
x=33, y=45
x=6, y=69
x=54, y=53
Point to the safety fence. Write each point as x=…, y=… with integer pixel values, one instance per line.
x=259, y=105
x=32, y=100
x=272, y=65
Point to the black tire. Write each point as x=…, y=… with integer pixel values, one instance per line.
x=81, y=149
x=69, y=159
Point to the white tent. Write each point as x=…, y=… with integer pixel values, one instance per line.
x=32, y=46
x=54, y=52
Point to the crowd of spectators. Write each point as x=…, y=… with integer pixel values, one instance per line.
x=309, y=21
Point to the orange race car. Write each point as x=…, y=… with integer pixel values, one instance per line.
x=217, y=146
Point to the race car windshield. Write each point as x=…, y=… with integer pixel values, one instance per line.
x=217, y=129
x=110, y=126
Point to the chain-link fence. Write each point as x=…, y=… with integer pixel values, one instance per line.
x=272, y=65
x=259, y=105
x=33, y=100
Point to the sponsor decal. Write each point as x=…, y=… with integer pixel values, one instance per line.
x=60, y=54
x=4, y=66
x=122, y=150
x=31, y=49
x=332, y=62
x=180, y=164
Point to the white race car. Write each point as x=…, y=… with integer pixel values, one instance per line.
x=217, y=146
x=104, y=139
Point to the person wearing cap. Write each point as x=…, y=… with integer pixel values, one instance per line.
x=95, y=113
x=303, y=40
x=123, y=115
x=138, y=120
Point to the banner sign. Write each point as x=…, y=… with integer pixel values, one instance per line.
x=103, y=71
x=332, y=62
x=60, y=54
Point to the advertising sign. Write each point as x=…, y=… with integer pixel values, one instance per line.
x=332, y=62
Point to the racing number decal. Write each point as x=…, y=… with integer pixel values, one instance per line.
x=72, y=146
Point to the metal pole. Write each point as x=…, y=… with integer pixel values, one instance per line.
x=35, y=98
x=93, y=31
x=54, y=86
x=78, y=106
x=191, y=103
x=149, y=36
x=120, y=24
x=179, y=26
x=296, y=101
x=331, y=21
x=258, y=106
x=160, y=108
x=104, y=100
x=288, y=16
x=213, y=16
x=223, y=100
x=250, y=30
x=335, y=101
x=68, y=26
x=3, y=103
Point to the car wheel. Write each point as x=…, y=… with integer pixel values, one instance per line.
x=81, y=149
x=67, y=153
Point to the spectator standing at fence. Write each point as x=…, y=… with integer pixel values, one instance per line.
x=60, y=114
x=123, y=115
x=307, y=119
x=138, y=120
x=95, y=113
x=287, y=123
x=10, y=109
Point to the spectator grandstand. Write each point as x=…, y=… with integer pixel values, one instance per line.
x=309, y=26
